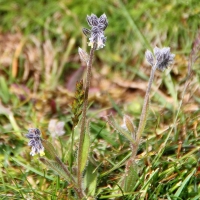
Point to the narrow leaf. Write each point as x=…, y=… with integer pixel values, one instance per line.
x=184, y=183
x=90, y=179
x=50, y=152
x=119, y=128
x=130, y=178
x=55, y=166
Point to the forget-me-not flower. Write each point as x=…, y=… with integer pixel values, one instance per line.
x=162, y=58
x=35, y=141
x=96, y=34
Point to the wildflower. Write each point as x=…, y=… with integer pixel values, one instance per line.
x=35, y=141
x=162, y=58
x=56, y=128
x=96, y=34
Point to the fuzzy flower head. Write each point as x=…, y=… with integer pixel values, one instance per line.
x=56, y=128
x=96, y=34
x=162, y=58
x=35, y=141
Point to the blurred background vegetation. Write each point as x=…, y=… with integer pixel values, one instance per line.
x=39, y=66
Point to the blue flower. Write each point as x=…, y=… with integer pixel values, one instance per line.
x=162, y=58
x=96, y=34
x=35, y=141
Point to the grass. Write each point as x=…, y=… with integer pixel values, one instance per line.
x=39, y=55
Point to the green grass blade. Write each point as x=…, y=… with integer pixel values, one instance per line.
x=184, y=183
x=33, y=169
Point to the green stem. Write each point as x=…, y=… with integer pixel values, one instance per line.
x=134, y=149
x=83, y=122
x=143, y=119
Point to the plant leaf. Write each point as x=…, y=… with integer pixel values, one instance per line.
x=130, y=178
x=50, y=152
x=90, y=179
x=55, y=166
x=184, y=183
x=119, y=128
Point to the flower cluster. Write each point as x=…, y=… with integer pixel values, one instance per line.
x=96, y=34
x=35, y=141
x=163, y=58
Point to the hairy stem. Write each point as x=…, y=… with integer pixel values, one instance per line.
x=143, y=117
x=134, y=149
x=83, y=122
